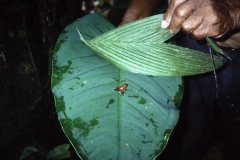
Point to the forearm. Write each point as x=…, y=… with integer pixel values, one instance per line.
x=139, y=9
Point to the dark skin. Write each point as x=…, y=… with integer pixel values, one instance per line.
x=139, y=9
x=219, y=19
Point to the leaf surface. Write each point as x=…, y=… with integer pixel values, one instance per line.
x=138, y=47
x=100, y=122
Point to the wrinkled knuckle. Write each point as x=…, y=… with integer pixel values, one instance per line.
x=186, y=27
x=174, y=26
x=214, y=19
x=198, y=34
x=180, y=11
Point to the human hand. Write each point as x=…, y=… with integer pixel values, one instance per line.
x=138, y=9
x=205, y=18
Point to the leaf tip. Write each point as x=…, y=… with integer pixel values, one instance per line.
x=81, y=37
x=216, y=48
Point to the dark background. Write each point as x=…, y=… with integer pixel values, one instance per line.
x=28, y=32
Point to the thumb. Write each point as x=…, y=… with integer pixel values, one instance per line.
x=170, y=11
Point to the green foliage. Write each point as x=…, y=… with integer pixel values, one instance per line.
x=27, y=152
x=138, y=47
x=100, y=122
x=216, y=48
x=59, y=152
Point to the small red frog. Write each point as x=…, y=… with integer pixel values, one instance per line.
x=122, y=88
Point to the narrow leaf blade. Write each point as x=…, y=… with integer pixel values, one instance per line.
x=154, y=58
x=144, y=30
x=138, y=47
x=216, y=48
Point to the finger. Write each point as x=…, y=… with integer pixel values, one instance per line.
x=133, y=17
x=128, y=17
x=181, y=13
x=192, y=23
x=201, y=31
x=207, y=28
x=204, y=31
x=138, y=9
x=126, y=20
x=169, y=13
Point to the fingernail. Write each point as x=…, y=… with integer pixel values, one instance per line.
x=164, y=24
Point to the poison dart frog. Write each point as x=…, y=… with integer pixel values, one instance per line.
x=122, y=88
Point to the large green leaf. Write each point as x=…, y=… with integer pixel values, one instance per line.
x=100, y=122
x=138, y=47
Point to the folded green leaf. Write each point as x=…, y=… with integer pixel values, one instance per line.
x=216, y=48
x=155, y=59
x=138, y=47
x=146, y=30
